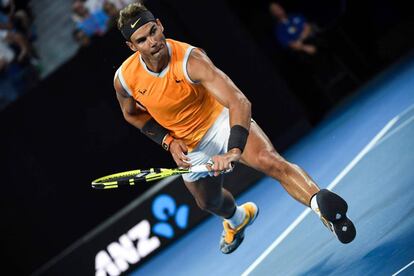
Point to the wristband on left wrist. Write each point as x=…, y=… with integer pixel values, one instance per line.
x=238, y=137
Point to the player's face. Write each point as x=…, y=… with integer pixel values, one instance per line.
x=149, y=40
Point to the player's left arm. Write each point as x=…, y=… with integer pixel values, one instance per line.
x=201, y=69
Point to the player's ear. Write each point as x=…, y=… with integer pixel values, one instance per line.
x=131, y=46
x=159, y=24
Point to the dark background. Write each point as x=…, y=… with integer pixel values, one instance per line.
x=69, y=129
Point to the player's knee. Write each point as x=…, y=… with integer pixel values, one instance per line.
x=272, y=163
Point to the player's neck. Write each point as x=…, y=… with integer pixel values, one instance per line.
x=157, y=65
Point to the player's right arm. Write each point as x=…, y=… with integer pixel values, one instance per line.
x=138, y=117
x=133, y=114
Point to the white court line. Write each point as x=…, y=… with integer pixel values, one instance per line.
x=335, y=182
x=402, y=269
x=396, y=129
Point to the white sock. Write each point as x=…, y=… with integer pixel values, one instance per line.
x=237, y=218
x=314, y=205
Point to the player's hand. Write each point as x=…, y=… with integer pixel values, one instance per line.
x=179, y=152
x=224, y=162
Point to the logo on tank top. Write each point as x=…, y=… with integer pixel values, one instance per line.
x=142, y=91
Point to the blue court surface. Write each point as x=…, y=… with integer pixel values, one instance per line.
x=364, y=151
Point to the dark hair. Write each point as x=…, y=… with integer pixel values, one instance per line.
x=130, y=12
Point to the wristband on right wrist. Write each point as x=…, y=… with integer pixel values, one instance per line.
x=166, y=142
x=154, y=131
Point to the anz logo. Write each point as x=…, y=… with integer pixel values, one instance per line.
x=167, y=212
x=137, y=242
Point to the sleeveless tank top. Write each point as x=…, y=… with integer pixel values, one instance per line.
x=184, y=107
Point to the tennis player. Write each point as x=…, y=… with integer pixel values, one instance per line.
x=177, y=97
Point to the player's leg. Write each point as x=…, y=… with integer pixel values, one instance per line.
x=260, y=154
x=212, y=197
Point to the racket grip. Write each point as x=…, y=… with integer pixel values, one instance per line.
x=98, y=186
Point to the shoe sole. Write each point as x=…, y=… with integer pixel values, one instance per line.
x=333, y=208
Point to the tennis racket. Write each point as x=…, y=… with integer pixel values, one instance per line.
x=130, y=178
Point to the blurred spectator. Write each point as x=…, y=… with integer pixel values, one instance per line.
x=81, y=37
x=94, y=18
x=17, y=73
x=6, y=12
x=120, y=4
x=112, y=11
x=112, y=7
x=18, y=18
x=10, y=39
x=293, y=30
x=95, y=24
x=6, y=52
x=89, y=23
x=93, y=5
x=308, y=59
x=311, y=58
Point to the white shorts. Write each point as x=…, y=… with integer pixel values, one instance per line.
x=214, y=142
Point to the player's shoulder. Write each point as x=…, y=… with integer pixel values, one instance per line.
x=118, y=84
x=198, y=57
x=177, y=43
x=180, y=48
x=199, y=65
x=128, y=66
x=121, y=75
x=132, y=60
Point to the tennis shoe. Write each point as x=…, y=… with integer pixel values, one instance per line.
x=232, y=238
x=331, y=209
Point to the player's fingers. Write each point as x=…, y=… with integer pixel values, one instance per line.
x=185, y=165
x=218, y=166
x=178, y=161
x=182, y=164
x=184, y=157
x=183, y=147
x=186, y=162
